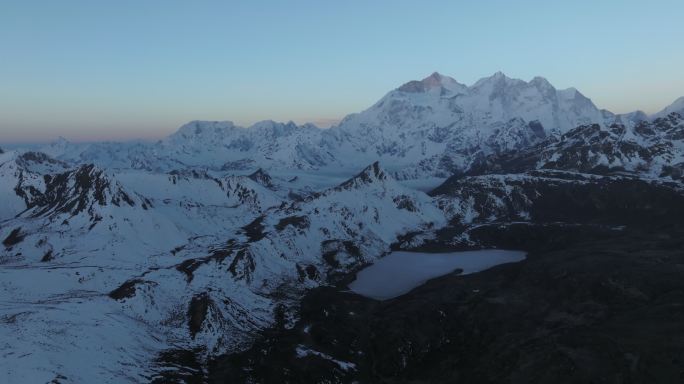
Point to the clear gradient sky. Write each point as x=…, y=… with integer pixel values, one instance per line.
x=92, y=70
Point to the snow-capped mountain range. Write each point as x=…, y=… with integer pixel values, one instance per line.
x=435, y=126
x=122, y=253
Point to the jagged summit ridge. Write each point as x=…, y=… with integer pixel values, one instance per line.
x=370, y=175
x=651, y=148
x=677, y=106
x=78, y=190
x=439, y=126
x=435, y=80
x=430, y=127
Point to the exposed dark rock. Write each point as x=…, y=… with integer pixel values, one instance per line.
x=405, y=202
x=242, y=265
x=308, y=272
x=341, y=256
x=586, y=306
x=77, y=191
x=570, y=198
x=15, y=237
x=26, y=158
x=239, y=165
x=190, y=174
x=189, y=266
x=59, y=379
x=197, y=312
x=180, y=366
x=329, y=257
x=48, y=256
x=352, y=248
x=261, y=177
x=255, y=230
x=370, y=174
x=128, y=289
x=675, y=172
x=537, y=128
x=301, y=222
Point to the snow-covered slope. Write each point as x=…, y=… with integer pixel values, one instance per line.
x=130, y=264
x=267, y=143
x=677, y=106
x=243, y=282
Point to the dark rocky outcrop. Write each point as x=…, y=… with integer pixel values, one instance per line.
x=218, y=255
x=371, y=174
x=255, y=230
x=15, y=237
x=125, y=290
x=566, y=197
x=588, y=305
x=300, y=222
x=592, y=149
x=79, y=190
x=48, y=256
x=197, y=312
x=261, y=177
x=129, y=288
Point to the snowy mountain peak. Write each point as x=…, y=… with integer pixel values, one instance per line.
x=498, y=75
x=39, y=163
x=58, y=146
x=435, y=81
x=260, y=176
x=677, y=106
x=199, y=128
x=498, y=79
x=370, y=175
x=373, y=172
x=541, y=83
x=437, y=124
x=60, y=140
x=78, y=190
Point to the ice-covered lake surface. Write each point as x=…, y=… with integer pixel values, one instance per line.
x=400, y=272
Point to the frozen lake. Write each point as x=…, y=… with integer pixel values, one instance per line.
x=400, y=272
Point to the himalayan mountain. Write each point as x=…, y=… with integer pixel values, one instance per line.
x=432, y=127
x=224, y=254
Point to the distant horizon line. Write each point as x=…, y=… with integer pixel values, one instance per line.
x=322, y=123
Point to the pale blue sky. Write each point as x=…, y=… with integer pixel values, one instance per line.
x=91, y=70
